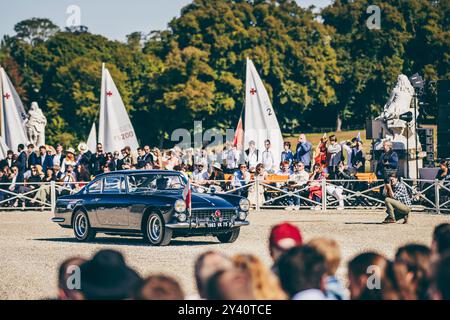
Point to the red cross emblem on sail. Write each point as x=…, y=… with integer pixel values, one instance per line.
x=109, y=93
x=252, y=91
x=7, y=95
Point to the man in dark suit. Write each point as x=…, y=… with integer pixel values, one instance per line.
x=117, y=163
x=8, y=161
x=148, y=157
x=97, y=161
x=44, y=160
x=21, y=162
x=32, y=157
x=388, y=162
x=141, y=158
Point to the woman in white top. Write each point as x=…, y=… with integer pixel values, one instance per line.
x=69, y=159
x=254, y=195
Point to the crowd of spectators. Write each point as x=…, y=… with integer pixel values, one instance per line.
x=301, y=270
x=29, y=170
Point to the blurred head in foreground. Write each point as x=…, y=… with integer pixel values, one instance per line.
x=373, y=277
x=67, y=281
x=283, y=237
x=441, y=279
x=265, y=285
x=229, y=284
x=206, y=265
x=107, y=277
x=160, y=287
x=302, y=272
x=441, y=239
x=417, y=259
x=329, y=248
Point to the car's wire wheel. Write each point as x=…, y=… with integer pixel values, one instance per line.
x=156, y=231
x=155, y=226
x=82, y=228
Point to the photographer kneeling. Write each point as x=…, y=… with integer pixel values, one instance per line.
x=398, y=200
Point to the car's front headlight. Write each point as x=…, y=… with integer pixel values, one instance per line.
x=180, y=206
x=244, y=204
x=182, y=217
x=242, y=215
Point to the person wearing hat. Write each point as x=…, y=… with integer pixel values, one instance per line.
x=200, y=175
x=107, y=277
x=84, y=156
x=68, y=178
x=68, y=160
x=217, y=178
x=241, y=179
x=282, y=237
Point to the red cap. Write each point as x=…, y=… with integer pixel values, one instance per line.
x=285, y=236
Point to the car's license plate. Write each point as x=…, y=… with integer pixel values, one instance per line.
x=220, y=224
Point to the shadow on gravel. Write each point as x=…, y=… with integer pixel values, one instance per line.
x=364, y=223
x=128, y=241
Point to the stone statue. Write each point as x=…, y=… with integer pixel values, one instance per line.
x=399, y=103
x=35, y=125
x=401, y=133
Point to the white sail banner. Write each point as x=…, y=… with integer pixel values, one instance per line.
x=92, y=139
x=260, y=120
x=13, y=114
x=115, y=128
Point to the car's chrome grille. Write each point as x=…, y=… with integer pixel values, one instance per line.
x=209, y=214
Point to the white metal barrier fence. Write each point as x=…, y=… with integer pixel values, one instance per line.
x=427, y=195
x=34, y=195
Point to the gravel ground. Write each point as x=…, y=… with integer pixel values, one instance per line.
x=31, y=246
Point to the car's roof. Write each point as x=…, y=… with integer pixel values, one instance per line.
x=138, y=172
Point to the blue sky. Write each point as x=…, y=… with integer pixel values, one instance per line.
x=113, y=19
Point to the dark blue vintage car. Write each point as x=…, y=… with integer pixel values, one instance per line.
x=151, y=204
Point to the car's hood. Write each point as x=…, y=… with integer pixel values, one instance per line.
x=203, y=200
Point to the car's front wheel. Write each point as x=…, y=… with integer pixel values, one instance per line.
x=229, y=237
x=156, y=232
x=82, y=228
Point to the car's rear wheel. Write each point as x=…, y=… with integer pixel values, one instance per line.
x=229, y=237
x=156, y=232
x=82, y=228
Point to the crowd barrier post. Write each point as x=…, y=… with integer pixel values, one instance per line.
x=436, y=196
x=257, y=194
x=324, y=195
x=53, y=195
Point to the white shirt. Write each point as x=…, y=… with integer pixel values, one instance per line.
x=252, y=158
x=268, y=160
x=300, y=177
x=57, y=159
x=200, y=176
x=349, y=154
x=310, y=294
x=232, y=158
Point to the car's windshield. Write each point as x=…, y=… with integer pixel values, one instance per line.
x=146, y=182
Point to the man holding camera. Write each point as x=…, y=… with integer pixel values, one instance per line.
x=398, y=200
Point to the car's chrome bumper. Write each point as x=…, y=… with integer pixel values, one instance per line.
x=58, y=220
x=194, y=225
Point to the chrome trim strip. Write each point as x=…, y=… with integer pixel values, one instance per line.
x=187, y=225
x=58, y=220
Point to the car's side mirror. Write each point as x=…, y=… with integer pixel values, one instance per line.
x=213, y=190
